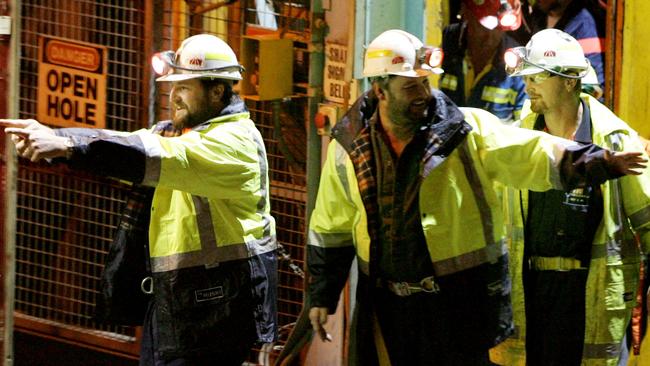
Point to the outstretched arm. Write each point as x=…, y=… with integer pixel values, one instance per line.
x=595, y=165
x=35, y=141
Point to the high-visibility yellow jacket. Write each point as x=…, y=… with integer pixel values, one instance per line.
x=460, y=212
x=614, y=267
x=210, y=209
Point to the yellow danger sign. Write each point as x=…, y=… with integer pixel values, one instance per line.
x=71, y=83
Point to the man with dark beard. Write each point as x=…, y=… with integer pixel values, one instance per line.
x=211, y=236
x=408, y=188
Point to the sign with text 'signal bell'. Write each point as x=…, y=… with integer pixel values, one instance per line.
x=71, y=83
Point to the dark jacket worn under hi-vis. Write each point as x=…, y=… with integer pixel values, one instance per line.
x=211, y=236
x=494, y=91
x=461, y=216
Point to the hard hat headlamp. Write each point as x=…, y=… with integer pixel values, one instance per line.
x=431, y=57
x=507, y=15
x=517, y=60
x=163, y=63
x=492, y=14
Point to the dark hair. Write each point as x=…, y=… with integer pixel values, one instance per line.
x=382, y=81
x=578, y=87
x=227, y=87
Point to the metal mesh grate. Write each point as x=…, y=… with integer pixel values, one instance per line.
x=116, y=24
x=64, y=225
x=288, y=195
x=291, y=18
x=65, y=220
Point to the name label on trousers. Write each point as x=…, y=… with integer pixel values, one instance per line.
x=208, y=294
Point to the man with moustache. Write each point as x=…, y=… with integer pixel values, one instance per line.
x=574, y=257
x=408, y=189
x=211, y=236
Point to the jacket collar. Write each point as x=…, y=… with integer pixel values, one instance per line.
x=236, y=105
x=445, y=121
x=236, y=108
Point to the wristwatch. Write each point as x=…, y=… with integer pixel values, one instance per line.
x=69, y=146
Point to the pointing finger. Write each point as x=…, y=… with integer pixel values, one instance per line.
x=18, y=131
x=19, y=123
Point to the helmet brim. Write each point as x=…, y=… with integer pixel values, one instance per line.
x=528, y=70
x=412, y=73
x=181, y=77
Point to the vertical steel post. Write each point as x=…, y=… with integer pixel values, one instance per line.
x=10, y=187
x=316, y=64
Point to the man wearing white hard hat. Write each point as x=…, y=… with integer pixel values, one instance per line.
x=211, y=236
x=574, y=258
x=408, y=190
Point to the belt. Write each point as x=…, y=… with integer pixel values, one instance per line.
x=561, y=264
x=427, y=284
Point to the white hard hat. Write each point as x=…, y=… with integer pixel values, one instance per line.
x=396, y=52
x=200, y=56
x=548, y=50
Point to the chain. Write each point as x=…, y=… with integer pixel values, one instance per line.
x=284, y=255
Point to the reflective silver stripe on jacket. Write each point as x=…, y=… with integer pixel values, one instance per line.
x=333, y=240
x=622, y=244
x=479, y=194
x=341, y=169
x=490, y=254
x=641, y=217
x=492, y=251
x=212, y=255
x=601, y=351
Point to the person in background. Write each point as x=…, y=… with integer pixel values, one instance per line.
x=574, y=258
x=408, y=189
x=474, y=72
x=211, y=236
x=582, y=19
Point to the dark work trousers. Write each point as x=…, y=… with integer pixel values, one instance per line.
x=416, y=332
x=555, y=317
x=149, y=356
